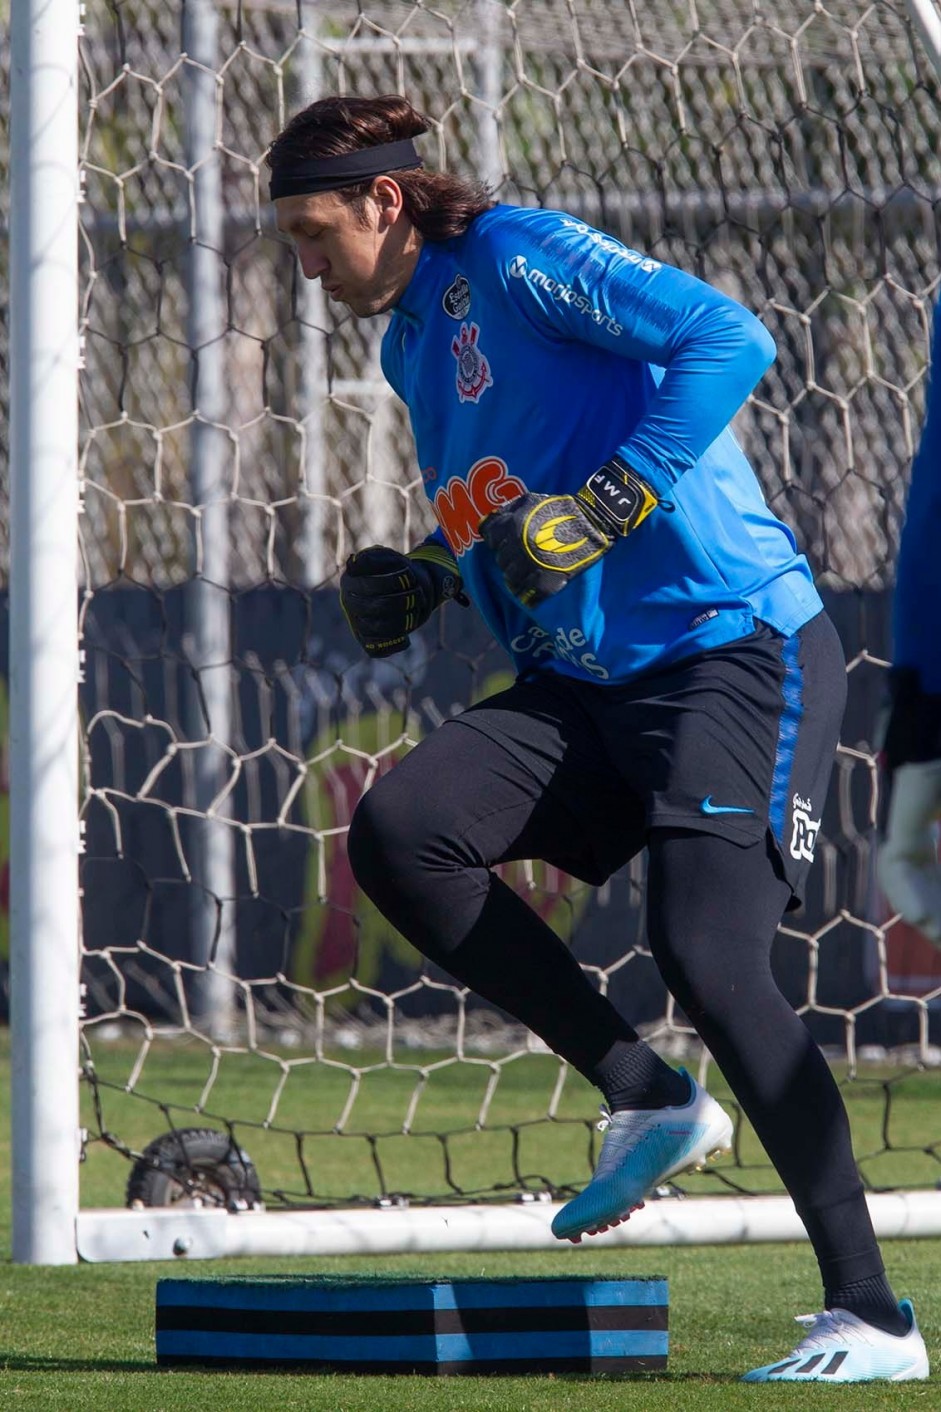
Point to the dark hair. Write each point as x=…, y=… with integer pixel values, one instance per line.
x=439, y=204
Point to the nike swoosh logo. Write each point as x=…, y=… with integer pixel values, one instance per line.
x=708, y=807
x=545, y=539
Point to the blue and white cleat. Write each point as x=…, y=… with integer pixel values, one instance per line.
x=641, y=1149
x=839, y=1348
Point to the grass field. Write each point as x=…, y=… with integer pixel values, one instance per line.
x=82, y=1337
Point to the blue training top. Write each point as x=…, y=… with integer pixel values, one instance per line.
x=918, y=584
x=531, y=349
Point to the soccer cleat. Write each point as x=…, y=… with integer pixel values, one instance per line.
x=839, y=1348
x=641, y=1149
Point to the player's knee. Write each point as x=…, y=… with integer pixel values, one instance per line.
x=388, y=844
x=374, y=838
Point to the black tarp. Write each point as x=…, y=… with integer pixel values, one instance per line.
x=302, y=690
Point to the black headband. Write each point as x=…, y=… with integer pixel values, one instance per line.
x=331, y=173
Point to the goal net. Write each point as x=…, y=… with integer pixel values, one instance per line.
x=255, y=1037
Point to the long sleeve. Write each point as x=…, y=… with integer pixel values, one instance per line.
x=712, y=351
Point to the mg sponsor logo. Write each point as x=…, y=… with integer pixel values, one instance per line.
x=461, y=505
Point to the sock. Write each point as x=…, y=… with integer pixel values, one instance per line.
x=632, y=1075
x=872, y=1301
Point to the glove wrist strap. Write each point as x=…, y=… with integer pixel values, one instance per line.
x=616, y=498
x=443, y=571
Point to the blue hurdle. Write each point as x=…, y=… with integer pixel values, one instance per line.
x=503, y=1326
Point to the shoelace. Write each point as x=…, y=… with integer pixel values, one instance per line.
x=821, y=1328
x=639, y=1118
x=615, y=1138
x=610, y=1151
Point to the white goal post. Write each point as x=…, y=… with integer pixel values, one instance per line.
x=44, y=642
x=222, y=441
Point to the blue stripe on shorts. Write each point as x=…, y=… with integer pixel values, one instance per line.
x=788, y=727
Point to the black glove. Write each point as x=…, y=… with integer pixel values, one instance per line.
x=907, y=862
x=541, y=542
x=913, y=728
x=387, y=595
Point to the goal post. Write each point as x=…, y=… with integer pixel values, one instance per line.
x=927, y=22
x=265, y=1066
x=44, y=641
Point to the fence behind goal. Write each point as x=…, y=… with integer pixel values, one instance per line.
x=253, y=1033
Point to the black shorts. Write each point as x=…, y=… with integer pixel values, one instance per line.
x=738, y=741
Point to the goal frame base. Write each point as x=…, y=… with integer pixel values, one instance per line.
x=187, y=1233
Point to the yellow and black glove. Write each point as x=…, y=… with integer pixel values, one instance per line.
x=387, y=595
x=541, y=542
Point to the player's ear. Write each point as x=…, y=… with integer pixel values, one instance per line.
x=387, y=195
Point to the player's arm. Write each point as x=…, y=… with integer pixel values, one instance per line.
x=712, y=349
x=386, y=595
x=908, y=855
x=573, y=283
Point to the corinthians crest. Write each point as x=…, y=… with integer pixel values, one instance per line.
x=473, y=370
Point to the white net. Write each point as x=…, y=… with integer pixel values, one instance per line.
x=238, y=441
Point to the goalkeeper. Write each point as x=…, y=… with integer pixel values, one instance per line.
x=908, y=855
x=678, y=688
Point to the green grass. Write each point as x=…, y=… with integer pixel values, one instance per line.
x=278, y=1094
x=82, y=1337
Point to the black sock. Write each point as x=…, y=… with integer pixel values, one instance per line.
x=632, y=1075
x=872, y=1301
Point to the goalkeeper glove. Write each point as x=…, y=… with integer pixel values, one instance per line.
x=908, y=867
x=541, y=542
x=387, y=595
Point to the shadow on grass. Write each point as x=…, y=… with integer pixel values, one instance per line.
x=27, y=1363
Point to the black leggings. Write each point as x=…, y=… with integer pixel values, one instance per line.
x=422, y=845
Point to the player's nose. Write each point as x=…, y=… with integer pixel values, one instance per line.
x=313, y=266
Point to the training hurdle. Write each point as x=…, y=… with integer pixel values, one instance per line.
x=384, y=1325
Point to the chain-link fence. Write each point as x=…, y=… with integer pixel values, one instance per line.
x=784, y=152
x=238, y=440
